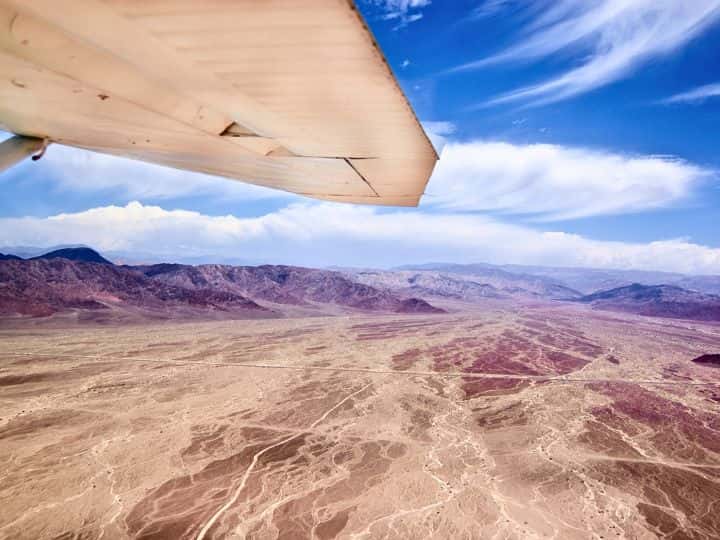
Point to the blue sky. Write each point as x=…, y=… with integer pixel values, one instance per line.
x=573, y=132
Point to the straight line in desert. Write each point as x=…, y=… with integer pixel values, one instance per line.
x=446, y=375
x=663, y=462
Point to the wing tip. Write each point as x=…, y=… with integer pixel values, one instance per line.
x=368, y=31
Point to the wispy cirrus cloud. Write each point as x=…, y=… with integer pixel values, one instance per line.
x=402, y=11
x=611, y=38
x=696, y=95
x=321, y=234
x=488, y=8
x=552, y=182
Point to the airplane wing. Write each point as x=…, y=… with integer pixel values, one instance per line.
x=289, y=94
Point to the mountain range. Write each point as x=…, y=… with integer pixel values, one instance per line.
x=581, y=280
x=503, y=283
x=80, y=280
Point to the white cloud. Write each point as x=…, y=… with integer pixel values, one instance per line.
x=320, y=234
x=613, y=37
x=542, y=181
x=82, y=170
x=554, y=182
x=696, y=95
x=402, y=11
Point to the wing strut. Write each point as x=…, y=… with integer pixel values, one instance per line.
x=17, y=148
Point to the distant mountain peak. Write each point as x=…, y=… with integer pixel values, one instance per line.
x=78, y=254
x=637, y=291
x=657, y=301
x=9, y=257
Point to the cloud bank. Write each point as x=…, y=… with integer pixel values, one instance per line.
x=551, y=182
x=330, y=234
x=536, y=181
x=612, y=37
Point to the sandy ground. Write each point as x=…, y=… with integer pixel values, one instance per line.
x=510, y=422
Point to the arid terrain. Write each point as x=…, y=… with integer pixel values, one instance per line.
x=500, y=420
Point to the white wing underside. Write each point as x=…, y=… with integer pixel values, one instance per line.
x=288, y=94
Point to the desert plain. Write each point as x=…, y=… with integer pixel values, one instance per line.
x=500, y=421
